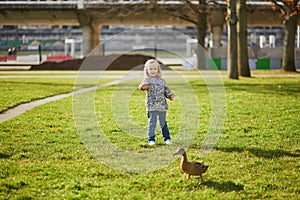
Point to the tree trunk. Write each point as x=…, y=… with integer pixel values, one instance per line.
x=232, y=40
x=243, y=59
x=201, y=33
x=288, y=60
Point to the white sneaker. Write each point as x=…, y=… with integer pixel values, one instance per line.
x=168, y=142
x=151, y=143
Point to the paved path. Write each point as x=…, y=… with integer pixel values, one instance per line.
x=18, y=110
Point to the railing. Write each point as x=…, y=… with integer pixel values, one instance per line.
x=82, y=4
x=122, y=1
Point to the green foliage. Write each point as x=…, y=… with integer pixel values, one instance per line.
x=256, y=157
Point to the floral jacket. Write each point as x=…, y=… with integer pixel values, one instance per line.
x=157, y=92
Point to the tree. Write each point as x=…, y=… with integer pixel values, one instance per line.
x=290, y=10
x=198, y=10
x=243, y=59
x=232, y=40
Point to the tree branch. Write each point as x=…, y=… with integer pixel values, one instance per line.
x=192, y=6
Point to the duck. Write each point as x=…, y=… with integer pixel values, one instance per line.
x=191, y=168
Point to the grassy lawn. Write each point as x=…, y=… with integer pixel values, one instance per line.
x=257, y=156
x=21, y=90
x=41, y=84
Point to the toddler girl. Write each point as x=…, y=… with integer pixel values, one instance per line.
x=156, y=104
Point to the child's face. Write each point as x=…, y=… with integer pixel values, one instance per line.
x=152, y=71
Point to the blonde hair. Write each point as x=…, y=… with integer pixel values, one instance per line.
x=152, y=63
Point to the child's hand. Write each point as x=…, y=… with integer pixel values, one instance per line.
x=171, y=97
x=144, y=86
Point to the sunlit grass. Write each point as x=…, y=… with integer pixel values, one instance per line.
x=14, y=91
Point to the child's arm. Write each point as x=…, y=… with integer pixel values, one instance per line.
x=171, y=97
x=168, y=93
x=143, y=85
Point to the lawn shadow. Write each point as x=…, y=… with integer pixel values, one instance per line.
x=261, y=153
x=282, y=88
x=147, y=146
x=227, y=186
x=4, y=156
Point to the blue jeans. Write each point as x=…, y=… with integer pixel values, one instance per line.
x=152, y=116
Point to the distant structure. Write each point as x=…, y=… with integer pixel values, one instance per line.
x=91, y=16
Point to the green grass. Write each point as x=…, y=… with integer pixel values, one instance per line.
x=15, y=91
x=21, y=90
x=256, y=157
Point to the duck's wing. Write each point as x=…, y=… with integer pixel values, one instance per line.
x=198, y=164
x=199, y=167
x=192, y=168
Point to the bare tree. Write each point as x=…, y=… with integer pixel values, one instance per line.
x=290, y=10
x=232, y=40
x=243, y=58
x=198, y=10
